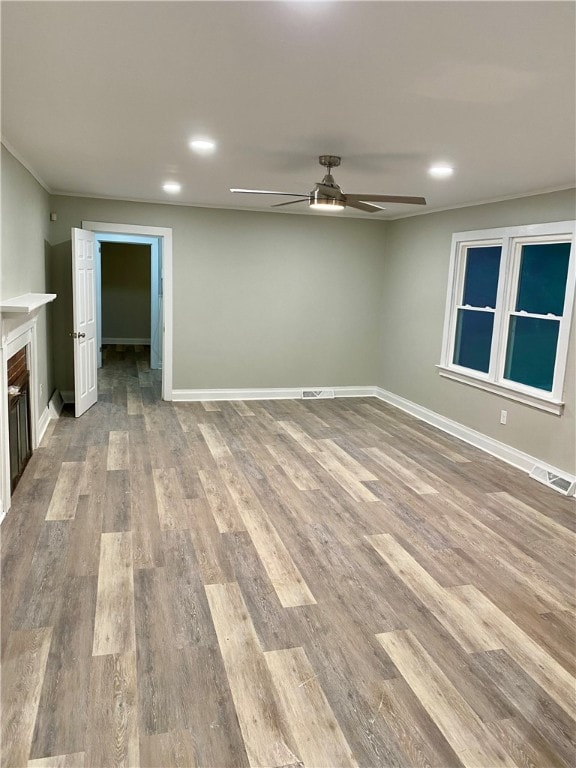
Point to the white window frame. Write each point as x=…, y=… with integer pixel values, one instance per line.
x=511, y=240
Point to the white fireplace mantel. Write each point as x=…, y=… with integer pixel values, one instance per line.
x=26, y=303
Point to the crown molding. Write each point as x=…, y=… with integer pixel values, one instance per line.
x=364, y=217
x=17, y=156
x=486, y=201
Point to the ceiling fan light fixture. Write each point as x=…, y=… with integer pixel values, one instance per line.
x=320, y=202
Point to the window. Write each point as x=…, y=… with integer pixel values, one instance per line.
x=508, y=313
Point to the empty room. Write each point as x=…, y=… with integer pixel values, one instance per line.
x=287, y=384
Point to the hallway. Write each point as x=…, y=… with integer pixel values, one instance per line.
x=280, y=583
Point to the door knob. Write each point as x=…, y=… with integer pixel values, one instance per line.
x=77, y=335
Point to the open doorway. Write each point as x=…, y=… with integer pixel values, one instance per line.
x=158, y=255
x=129, y=294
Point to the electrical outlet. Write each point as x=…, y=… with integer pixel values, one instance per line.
x=503, y=417
x=41, y=389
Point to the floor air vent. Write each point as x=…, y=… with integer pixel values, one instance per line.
x=563, y=484
x=315, y=394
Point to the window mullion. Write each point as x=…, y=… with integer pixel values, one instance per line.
x=500, y=325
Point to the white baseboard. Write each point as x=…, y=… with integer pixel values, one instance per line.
x=43, y=422
x=55, y=405
x=294, y=393
x=494, y=447
x=140, y=342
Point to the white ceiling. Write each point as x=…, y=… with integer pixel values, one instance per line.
x=101, y=98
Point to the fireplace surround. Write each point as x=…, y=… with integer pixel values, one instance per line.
x=18, y=339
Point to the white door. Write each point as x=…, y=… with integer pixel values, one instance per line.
x=84, y=318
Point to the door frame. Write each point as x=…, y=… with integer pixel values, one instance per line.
x=164, y=234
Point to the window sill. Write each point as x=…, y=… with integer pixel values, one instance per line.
x=544, y=403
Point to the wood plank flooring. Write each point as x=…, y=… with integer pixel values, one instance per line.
x=280, y=583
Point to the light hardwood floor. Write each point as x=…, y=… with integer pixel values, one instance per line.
x=280, y=583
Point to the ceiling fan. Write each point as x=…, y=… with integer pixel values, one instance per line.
x=327, y=195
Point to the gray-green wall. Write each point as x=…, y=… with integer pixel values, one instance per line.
x=125, y=281
x=25, y=215
x=270, y=300
x=260, y=299
x=413, y=302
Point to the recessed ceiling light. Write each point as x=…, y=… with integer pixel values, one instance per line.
x=203, y=146
x=172, y=187
x=441, y=171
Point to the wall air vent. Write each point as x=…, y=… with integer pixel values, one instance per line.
x=316, y=394
x=565, y=485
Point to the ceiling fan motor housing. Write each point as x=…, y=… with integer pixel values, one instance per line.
x=327, y=192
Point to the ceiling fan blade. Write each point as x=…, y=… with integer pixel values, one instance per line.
x=362, y=206
x=291, y=202
x=266, y=192
x=388, y=199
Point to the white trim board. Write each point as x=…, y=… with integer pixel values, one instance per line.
x=293, y=393
x=499, y=388
x=506, y=453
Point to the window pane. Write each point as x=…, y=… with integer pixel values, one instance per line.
x=481, y=278
x=531, y=352
x=542, y=283
x=473, y=339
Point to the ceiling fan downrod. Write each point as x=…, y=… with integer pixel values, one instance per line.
x=329, y=162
